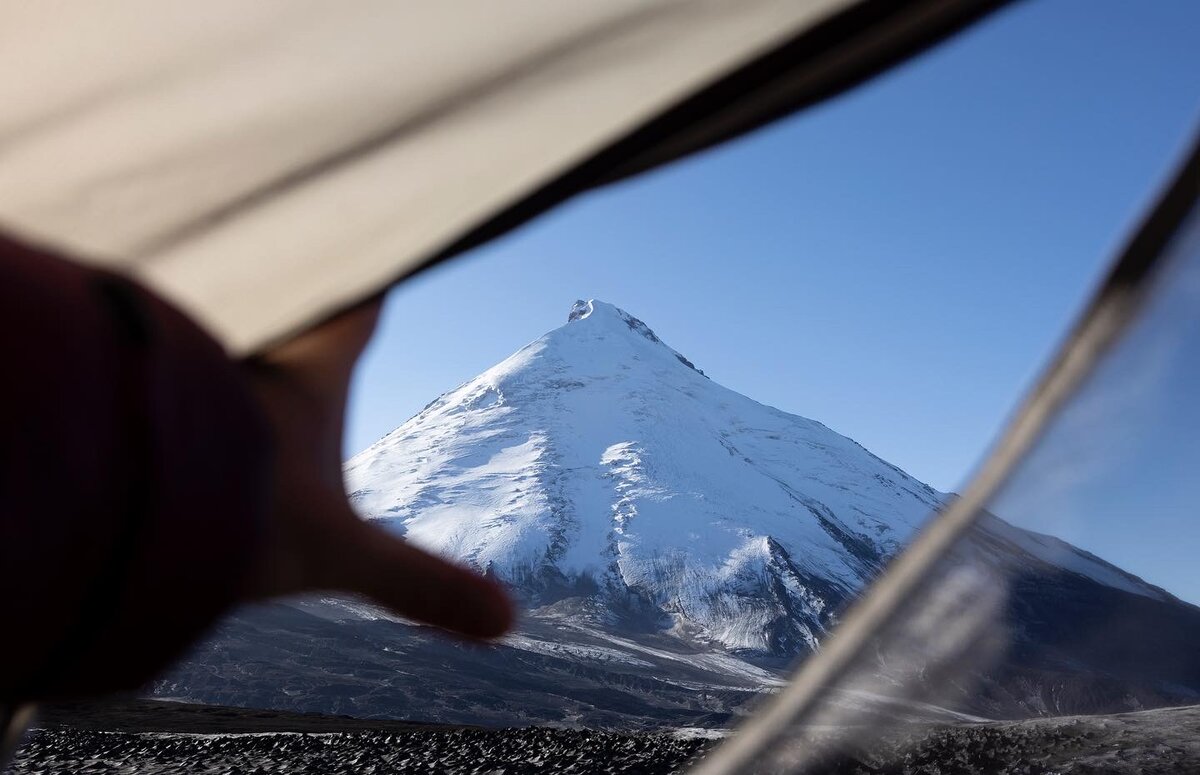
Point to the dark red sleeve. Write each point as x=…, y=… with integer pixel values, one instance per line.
x=133, y=479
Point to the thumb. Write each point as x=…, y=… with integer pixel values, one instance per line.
x=421, y=586
x=332, y=347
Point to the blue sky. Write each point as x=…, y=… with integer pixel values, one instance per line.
x=898, y=263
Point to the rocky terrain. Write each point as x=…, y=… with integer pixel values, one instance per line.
x=1154, y=742
x=1149, y=742
x=467, y=751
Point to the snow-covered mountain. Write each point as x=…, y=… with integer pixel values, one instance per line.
x=598, y=462
x=675, y=545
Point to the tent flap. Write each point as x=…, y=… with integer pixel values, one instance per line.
x=266, y=165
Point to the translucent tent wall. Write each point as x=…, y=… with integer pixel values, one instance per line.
x=1111, y=433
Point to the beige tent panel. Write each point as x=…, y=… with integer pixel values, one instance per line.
x=267, y=163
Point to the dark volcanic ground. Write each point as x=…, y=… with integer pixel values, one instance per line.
x=159, y=738
x=531, y=749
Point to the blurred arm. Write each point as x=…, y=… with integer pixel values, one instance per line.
x=134, y=471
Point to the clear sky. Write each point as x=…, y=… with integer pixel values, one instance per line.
x=898, y=263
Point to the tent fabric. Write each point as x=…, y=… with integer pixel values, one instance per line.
x=914, y=586
x=258, y=162
x=267, y=164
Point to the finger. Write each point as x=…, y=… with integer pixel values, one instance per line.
x=332, y=347
x=307, y=379
x=420, y=586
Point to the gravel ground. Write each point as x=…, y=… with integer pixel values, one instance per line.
x=460, y=751
x=1161, y=742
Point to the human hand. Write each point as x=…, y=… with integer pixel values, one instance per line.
x=314, y=540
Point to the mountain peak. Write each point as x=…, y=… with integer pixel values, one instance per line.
x=602, y=312
x=581, y=309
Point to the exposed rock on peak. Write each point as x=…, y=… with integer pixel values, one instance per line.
x=579, y=310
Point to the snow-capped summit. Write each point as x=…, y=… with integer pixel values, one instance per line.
x=597, y=463
x=607, y=315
